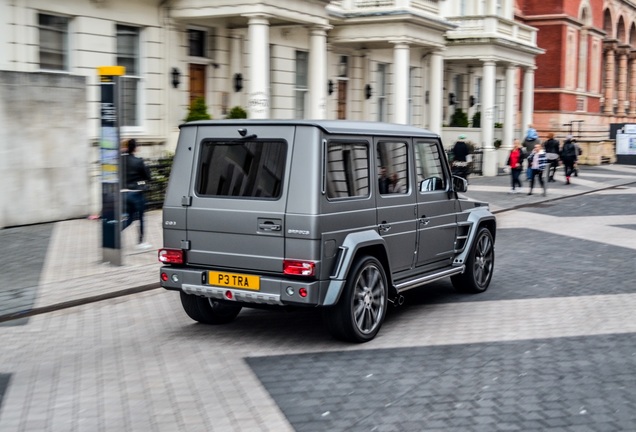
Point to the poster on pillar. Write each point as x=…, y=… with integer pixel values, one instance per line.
x=626, y=141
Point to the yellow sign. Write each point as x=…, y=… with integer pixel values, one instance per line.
x=111, y=70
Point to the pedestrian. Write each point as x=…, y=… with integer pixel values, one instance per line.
x=531, y=138
x=552, y=148
x=136, y=181
x=383, y=181
x=461, y=155
x=537, y=161
x=515, y=162
x=396, y=185
x=569, y=156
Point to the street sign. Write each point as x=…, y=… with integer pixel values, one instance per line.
x=110, y=156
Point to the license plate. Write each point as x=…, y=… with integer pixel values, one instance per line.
x=234, y=280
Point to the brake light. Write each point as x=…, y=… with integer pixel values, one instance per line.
x=299, y=268
x=171, y=256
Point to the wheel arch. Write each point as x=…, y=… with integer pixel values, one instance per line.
x=354, y=246
x=478, y=220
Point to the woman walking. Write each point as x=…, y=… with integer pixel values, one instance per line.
x=515, y=162
x=537, y=161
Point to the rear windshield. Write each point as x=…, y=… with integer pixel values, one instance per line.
x=247, y=169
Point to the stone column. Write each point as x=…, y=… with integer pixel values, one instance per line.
x=622, y=80
x=527, y=108
x=608, y=83
x=401, y=68
x=258, y=34
x=318, y=73
x=509, y=107
x=632, y=84
x=435, y=96
x=490, y=159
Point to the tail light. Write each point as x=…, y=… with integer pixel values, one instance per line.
x=299, y=268
x=171, y=256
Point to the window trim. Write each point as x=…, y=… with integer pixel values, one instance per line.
x=139, y=76
x=325, y=172
x=66, y=49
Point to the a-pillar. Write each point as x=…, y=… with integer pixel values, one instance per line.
x=608, y=83
x=527, y=107
x=622, y=80
x=435, y=92
x=490, y=159
x=258, y=34
x=401, y=79
x=318, y=73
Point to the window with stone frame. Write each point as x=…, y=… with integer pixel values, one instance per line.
x=53, y=40
x=128, y=56
x=301, y=86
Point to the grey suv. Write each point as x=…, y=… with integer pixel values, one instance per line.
x=341, y=215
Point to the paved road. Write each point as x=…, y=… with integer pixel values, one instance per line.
x=550, y=346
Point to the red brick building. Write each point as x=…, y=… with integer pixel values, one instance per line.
x=587, y=77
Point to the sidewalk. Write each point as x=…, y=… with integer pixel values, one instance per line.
x=72, y=272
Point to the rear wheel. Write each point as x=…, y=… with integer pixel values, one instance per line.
x=479, y=266
x=360, y=312
x=208, y=311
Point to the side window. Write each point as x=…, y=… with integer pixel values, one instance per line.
x=347, y=169
x=429, y=165
x=393, y=167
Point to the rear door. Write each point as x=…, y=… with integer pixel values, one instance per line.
x=395, y=201
x=436, y=207
x=235, y=217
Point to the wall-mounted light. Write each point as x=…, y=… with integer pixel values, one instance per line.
x=452, y=100
x=472, y=101
x=238, y=82
x=175, y=74
x=329, y=87
x=368, y=91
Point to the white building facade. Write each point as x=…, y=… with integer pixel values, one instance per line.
x=402, y=61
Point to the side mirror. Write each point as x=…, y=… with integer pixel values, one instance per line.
x=460, y=184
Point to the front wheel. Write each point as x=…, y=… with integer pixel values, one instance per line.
x=208, y=311
x=479, y=266
x=360, y=312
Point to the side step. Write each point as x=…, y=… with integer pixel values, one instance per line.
x=421, y=280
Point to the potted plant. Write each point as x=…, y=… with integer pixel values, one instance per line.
x=497, y=143
x=459, y=119
x=236, y=112
x=198, y=110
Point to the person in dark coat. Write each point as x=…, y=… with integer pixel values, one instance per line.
x=569, y=156
x=137, y=179
x=552, y=149
x=460, y=152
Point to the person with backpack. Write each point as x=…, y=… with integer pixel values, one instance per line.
x=569, y=156
x=552, y=148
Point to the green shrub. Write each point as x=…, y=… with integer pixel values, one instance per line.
x=459, y=118
x=198, y=110
x=477, y=119
x=237, y=113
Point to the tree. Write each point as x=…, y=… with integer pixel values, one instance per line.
x=459, y=119
x=237, y=113
x=198, y=110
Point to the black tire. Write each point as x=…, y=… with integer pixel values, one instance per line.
x=208, y=311
x=479, y=265
x=360, y=312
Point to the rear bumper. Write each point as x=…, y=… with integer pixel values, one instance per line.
x=273, y=291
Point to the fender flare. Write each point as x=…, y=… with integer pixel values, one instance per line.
x=348, y=252
x=476, y=219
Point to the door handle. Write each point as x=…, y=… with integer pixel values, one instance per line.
x=269, y=227
x=384, y=227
